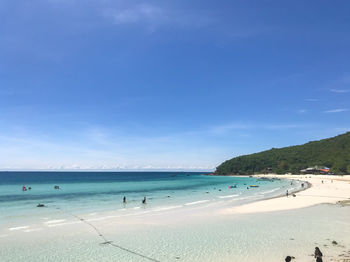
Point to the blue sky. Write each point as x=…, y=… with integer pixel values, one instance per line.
x=179, y=85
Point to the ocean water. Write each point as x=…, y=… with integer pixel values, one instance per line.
x=86, y=192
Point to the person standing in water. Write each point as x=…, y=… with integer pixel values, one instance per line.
x=124, y=200
x=144, y=200
x=287, y=193
x=318, y=255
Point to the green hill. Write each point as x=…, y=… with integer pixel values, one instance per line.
x=332, y=152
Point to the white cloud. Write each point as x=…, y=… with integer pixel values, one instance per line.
x=340, y=91
x=341, y=129
x=221, y=129
x=136, y=14
x=301, y=111
x=97, y=148
x=224, y=129
x=153, y=16
x=338, y=110
x=282, y=126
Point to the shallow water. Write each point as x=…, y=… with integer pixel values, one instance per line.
x=89, y=192
x=252, y=237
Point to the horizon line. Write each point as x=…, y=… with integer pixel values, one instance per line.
x=107, y=170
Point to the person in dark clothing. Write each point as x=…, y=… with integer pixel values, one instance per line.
x=144, y=200
x=124, y=200
x=318, y=255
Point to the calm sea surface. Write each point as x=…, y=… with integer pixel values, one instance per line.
x=104, y=191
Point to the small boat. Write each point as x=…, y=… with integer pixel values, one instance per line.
x=254, y=186
x=265, y=179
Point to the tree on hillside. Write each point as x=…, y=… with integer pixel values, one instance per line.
x=332, y=152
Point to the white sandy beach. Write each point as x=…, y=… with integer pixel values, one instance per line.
x=332, y=190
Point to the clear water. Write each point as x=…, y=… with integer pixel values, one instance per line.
x=84, y=192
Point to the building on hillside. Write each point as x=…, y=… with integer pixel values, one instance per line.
x=316, y=170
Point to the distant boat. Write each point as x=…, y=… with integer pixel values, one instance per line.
x=265, y=179
x=254, y=186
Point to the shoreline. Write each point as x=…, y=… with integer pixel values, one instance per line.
x=208, y=232
x=321, y=189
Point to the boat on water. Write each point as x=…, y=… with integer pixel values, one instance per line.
x=265, y=179
x=254, y=186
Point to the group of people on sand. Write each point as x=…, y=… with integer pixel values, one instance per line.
x=287, y=194
x=318, y=255
x=143, y=200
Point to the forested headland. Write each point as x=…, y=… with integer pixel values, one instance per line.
x=332, y=152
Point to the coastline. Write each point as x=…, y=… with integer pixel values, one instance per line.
x=212, y=231
x=322, y=189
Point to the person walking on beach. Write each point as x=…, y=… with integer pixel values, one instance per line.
x=318, y=255
x=287, y=193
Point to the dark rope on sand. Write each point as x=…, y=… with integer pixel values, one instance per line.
x=106, y=241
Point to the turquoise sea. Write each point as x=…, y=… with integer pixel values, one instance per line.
x=85, y=192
